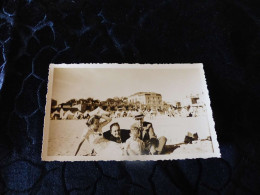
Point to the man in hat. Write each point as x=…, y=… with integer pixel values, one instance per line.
x=153, y=145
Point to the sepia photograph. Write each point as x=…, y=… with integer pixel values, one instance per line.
x=128, y=112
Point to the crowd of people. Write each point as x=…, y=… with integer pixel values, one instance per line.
x=187, y=111
x=139, y=140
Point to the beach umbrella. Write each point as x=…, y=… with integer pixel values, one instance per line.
x=98, y=111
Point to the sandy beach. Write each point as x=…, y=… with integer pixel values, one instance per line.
x=65, y=135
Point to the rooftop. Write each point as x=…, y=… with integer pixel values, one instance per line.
x=145, y=93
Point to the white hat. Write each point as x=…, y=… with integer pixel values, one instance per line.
x=139, y=115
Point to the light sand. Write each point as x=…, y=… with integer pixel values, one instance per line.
x=65, y=135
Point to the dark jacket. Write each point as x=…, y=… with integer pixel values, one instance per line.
x=124, y=136
x=147, y=135
x=148, y=132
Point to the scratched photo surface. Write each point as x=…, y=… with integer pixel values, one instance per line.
x=128, y=112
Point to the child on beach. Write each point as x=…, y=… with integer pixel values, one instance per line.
x=133, y=145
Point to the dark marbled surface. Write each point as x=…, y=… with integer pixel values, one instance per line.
x=224, y=35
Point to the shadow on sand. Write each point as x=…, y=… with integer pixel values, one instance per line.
x=168, y=149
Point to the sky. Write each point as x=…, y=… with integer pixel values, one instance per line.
x=172, y=84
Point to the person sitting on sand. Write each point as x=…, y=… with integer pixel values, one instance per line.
x=153, y=145
x=116, y=134
x=133, y=145
x=93, y=130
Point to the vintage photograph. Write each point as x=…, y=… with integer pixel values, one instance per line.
x=128, y=112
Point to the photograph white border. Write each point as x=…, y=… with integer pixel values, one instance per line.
x=215, y=153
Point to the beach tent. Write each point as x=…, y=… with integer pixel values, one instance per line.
x=61, y=113
x=68, y=115
x=98, y=111
x=86, y=113
x=77, y=114
x=55, y=114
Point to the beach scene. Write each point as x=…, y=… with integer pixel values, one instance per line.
x=65, y=135
x=123, y=113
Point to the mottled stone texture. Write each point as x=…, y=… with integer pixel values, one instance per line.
x=224, y=35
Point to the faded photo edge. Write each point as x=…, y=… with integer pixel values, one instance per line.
x=216, y=151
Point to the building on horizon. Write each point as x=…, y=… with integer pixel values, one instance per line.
x=149, y=99
x=193, y=100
